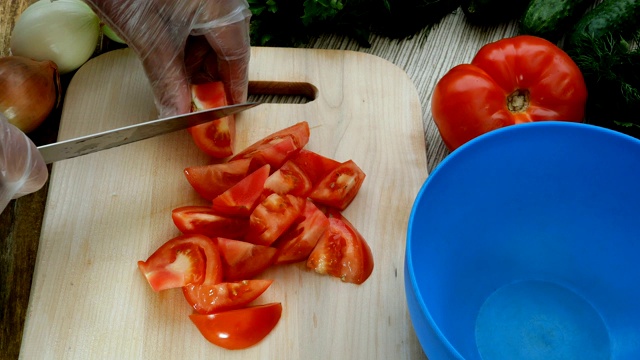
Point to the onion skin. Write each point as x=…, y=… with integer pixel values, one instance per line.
x=30, y=90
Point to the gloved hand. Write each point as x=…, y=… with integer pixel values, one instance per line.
x=22, y=168
x=158, y=31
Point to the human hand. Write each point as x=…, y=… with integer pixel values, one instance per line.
x=184, y=41
x=22, y=168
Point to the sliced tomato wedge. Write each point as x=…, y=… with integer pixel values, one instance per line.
x=342, y=252
x=297, y=243
x=183, y=260
x=276, y=148
x=242, y=260
x=212, y=180
x=206, y=221
x=314, y=165
x=340, y=186
x=274, y=153
x=241, y=198
x=272, y=217
x=209, y=299
x=289, y=179
x=214, y=138
x=241, y=328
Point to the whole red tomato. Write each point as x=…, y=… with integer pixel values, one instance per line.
x=510, y=81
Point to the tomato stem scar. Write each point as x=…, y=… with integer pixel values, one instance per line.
x=518, y=101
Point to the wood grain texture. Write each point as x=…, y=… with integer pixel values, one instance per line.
x=107, y=210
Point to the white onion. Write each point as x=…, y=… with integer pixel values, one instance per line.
x=63, y=31
x=106, y=30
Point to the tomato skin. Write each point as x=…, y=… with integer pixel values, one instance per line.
x=472, y=99
x=212, y=180
x=275, y=153
x=342, y=252
x=241, y=328
x=297, y=243
x=214, y=138
x=183, y=260
x=242, y=260
x=277, y=148
x=272, y=217
x=241, y=198
x=206, y=221
x=314, y=165
x=340, y=186
x=209, y=299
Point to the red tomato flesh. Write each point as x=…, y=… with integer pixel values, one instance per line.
x=297, y=243
x=214, y=138
x=212, y=180
x=242, y=260
x=206, y=221
x=276, y=148
x=241, y=198
x=272, y=217
x=275, y=153
x=238, y=329
x=289, y=179
x=183, y=260
x=209, y=299
x=314, y=165
x=342, y=252
x=340, y=186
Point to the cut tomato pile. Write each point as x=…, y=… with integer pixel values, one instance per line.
x=273, y=203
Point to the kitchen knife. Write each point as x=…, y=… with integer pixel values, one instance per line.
x=67, y=149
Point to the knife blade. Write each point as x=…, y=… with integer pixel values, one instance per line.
x=88, y=144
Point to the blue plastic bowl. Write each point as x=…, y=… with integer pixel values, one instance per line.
x=525, y=244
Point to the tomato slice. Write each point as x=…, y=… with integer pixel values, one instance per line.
x=314, y=165
x=340, y=186
x=214, y=138
x=276, y=148
x=241, y=198
x=274, y=153
x=183, y=260
x=212, y=180
x=242, y=260
x=209, y=299
x=241, y=328
x=297, y=243
x=206, y=221
x=272, y=217
x=289, y=179
x=342, y=252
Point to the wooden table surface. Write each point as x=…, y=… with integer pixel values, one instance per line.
x=425, y=57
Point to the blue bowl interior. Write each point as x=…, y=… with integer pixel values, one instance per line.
x=545, y=211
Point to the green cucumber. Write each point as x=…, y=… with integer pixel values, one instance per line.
x=492, y=12
x=616, y=17
x=549, y=19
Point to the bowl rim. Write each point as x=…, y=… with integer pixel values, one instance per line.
x=461, y=151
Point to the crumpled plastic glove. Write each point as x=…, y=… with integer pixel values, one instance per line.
x=180, y=41
x=22, y=168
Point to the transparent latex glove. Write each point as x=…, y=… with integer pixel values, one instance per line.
x=184, y=41
x=22, y=168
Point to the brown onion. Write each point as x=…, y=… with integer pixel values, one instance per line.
x=29, y=90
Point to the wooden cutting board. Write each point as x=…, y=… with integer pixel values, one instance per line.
x=108, y=210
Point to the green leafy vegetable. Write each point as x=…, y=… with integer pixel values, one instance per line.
x=295, y=22
x=610, y=66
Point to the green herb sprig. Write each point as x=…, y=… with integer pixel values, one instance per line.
x=295, y=22
x=611, y=68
